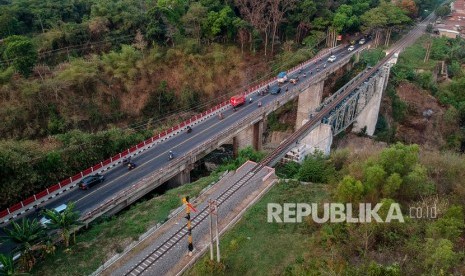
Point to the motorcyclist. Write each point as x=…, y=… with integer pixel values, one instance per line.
x=305, y=74
x=131, y=165
x=171, y=154
x=250, y=100
x=189, y=129
x=324, y=66
x=220, y=115
x=260, y=104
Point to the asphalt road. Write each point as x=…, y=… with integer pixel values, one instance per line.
x=119, y=178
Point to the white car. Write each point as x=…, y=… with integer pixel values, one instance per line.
x=362, y=41
x=351, y=48
x=60, y=209
x=332, y=58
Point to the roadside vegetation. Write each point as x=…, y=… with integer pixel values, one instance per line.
x=424, y=245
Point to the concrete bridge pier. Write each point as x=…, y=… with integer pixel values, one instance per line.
x=320, y=138
x=180, y=179
x=369, y=115
x=251, y=136
x=309, y=99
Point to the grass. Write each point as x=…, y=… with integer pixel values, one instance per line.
x=255, y=247
x=109, y=236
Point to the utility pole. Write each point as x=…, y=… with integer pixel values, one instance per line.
x=213, y=210
x=428, y=51
x=211, y=228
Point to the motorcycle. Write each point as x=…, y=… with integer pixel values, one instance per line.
x=126, y=161
x=171, y=156
x=259, y=104
x=131, y=165
x=220, y=116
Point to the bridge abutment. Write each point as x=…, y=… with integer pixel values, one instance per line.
x=320, y=139
x=308, y=100
x=369, y=115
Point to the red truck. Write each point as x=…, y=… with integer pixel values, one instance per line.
x=237, y=100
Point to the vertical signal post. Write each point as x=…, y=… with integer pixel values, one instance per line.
x=189, y=207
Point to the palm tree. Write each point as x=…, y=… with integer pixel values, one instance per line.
x=64, y=221
x=8, y=266
x=26, y=233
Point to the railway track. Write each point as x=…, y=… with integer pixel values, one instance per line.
x=180, y=234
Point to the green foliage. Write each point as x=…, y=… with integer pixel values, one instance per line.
x=372, y=57
x=161, y=102
x=399, y=158
x=25, y=233
x=20, y=52
x=350, y=190
x=439, y=256
x=8, y=266
x=399, y=107
x=122, y=64
x=393, y=183
x=416, y=183
x=316, y=168
x=442, y=10
x=288, y=170
x=375, y=176
x=455, y=70
x=450, y=226
x=65, y=221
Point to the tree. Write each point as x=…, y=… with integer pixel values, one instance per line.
x=194, y=19
x=21, y=53
x=374, y=179
x=26, y=234
x=220, y=23
x=392, y=185
x=443, y=10
x=410, y=7
x=350, y=190
x=315, y=169
x=449, y=226
x=8, y=266
x=278, y=8
x=399, y=158
x=255, y=12
x=439, y=256
x=65, y=221
x=9, y=25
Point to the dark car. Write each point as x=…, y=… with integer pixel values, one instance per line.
x=275, y=90
x=90, y=181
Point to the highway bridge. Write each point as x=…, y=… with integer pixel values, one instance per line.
x=241, y=128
